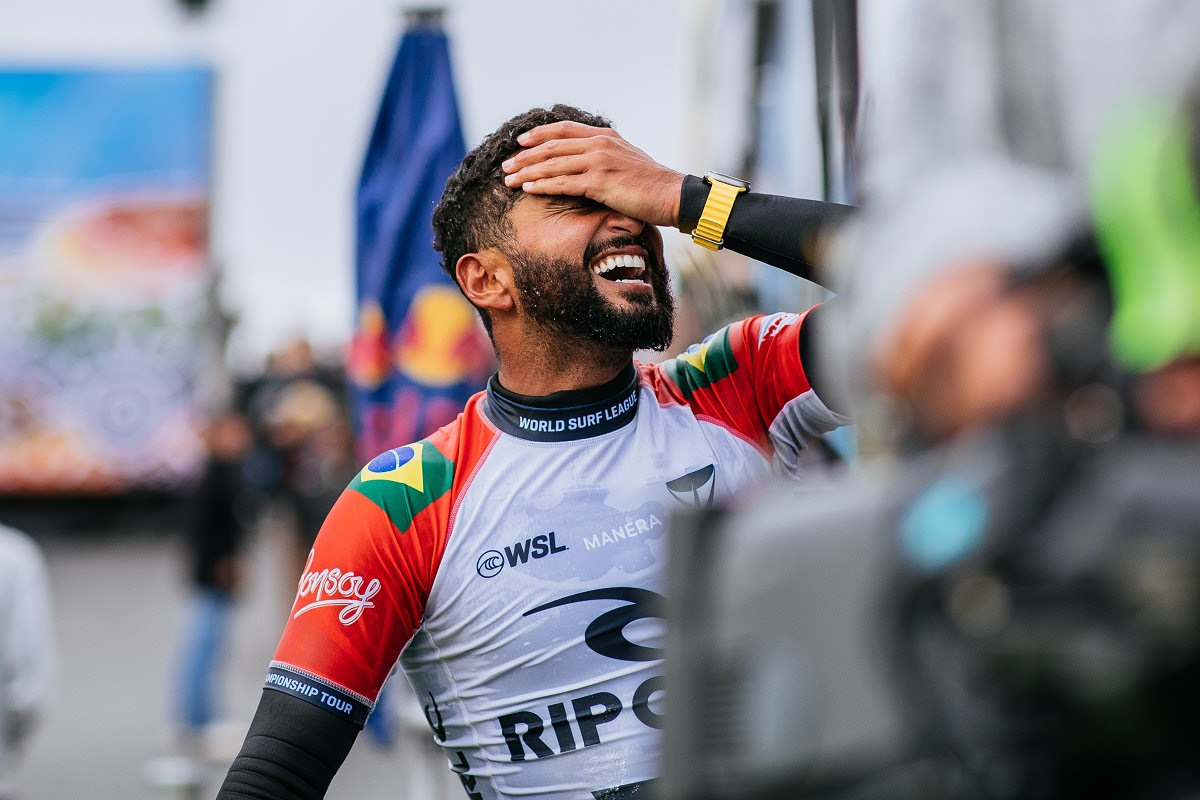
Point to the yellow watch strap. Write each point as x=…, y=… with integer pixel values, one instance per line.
x=710, y=230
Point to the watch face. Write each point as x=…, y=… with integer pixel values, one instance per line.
x=721, y=177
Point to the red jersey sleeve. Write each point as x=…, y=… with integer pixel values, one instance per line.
x=362, y=593
x=748, y=377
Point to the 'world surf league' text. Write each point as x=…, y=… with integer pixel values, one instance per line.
x=581, y=422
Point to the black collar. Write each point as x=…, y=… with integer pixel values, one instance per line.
x=567, y=415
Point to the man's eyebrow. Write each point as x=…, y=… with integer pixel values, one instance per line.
x=571, y=201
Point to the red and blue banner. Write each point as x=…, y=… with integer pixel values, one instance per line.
x=418, y=351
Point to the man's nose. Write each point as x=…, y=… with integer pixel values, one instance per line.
x=624, y=224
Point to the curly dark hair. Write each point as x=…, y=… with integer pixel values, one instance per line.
x=473, y=211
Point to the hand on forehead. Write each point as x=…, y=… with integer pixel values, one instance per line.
x=570, y=158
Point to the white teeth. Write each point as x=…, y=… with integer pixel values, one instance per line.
x=623, y=261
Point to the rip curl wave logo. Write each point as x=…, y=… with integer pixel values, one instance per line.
x=606, y=633
x=332, y=588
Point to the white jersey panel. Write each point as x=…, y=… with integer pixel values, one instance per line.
x=556, y=561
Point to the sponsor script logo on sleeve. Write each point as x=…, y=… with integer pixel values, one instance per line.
x=334, y=587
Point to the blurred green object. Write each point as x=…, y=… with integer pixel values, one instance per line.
x=1147, y=215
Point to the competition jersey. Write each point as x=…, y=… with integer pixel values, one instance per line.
x=514, y=562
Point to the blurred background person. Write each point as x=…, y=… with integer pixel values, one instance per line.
x=26, y=649
x=296, y=397
x=975, y=158
x=216, y=528
x=307, y=427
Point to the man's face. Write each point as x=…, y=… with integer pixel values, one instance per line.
x=585, y=271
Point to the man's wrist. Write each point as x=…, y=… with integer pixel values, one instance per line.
x=692, y=196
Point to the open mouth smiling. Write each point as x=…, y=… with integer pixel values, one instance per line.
x=626, y=267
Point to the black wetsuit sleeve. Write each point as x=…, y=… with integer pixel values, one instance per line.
x=822, y=386
x=776, y=230
x=292, y=751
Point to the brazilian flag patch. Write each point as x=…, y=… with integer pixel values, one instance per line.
x=702, y=365
x=405, y=480
x=399, y=465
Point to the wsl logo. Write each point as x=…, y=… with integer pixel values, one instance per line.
x=492, y=562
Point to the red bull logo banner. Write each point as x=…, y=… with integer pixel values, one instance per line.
x=104, y=271
x=423, y=374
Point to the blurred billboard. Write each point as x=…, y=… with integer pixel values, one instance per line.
x=104, y=276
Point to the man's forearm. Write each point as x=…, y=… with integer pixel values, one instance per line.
x=568, y=158
x=776, y=230
x=292, y=751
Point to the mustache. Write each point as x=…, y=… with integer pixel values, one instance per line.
x=641, y=241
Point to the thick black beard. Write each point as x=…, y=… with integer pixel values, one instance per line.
x=562, y=298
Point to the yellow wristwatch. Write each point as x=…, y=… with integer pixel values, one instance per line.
x=723, y=190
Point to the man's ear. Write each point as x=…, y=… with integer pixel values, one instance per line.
x=486, y=280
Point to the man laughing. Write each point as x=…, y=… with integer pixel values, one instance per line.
x=516, y=557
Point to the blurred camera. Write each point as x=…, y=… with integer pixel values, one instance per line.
x=1010, y=615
